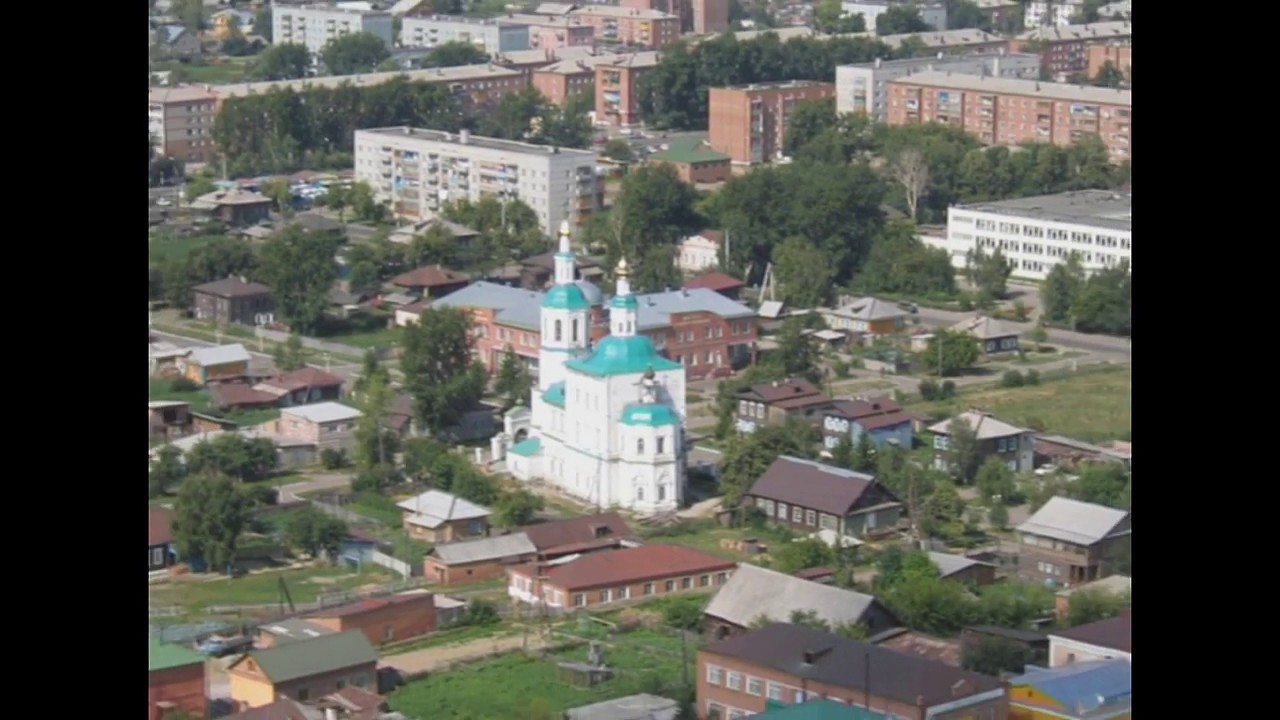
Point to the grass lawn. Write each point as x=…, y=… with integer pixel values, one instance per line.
x=162, y=389
x=163, y=246
x=362, y=329
x=227, y=70
x=518, y=685
x=1094, y=405
x=707, y=537
x=262, y=588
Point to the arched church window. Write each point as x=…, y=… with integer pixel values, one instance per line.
x=640, y=446
x=575, y=330
x=640, y=493
x=559, y=331
x=662, y=492
x=661, y=442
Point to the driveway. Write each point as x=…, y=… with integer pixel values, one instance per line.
x=439, y=658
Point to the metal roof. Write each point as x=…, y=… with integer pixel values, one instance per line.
x=951, y=564
x=325, y=412
x=315, y=656
x=494, y=548
x=984, y=425
x=434, y=507
x=512, y=306
x=219, y=355
x=1073, y=521
x=754, y=591
x=632, y=707
x=1083, y=686
x=656, y=309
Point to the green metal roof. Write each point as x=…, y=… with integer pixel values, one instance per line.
x=162, y=656
x=689, y=151
x=566, y=297
x=555, y=394
x=819, y=710
x=527, y=448
x=622, y=356
x=650, y=415
x=315, y=656
x=624, y=302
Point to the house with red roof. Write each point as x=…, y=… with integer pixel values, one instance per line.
x=726, y=285
x=160, y=548
x=432, y=281
x=382, y=620
x=617, y=576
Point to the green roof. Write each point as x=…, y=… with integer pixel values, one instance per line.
x=566, y=297
x=624, y=302
x=162, y=656
x=819, y=710
x=315, y=656
x=527, y=448
x=689, y=151
x=622, y=356
x=651, y=415
x=555, y=394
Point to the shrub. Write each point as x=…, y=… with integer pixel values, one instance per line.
x=1033, y=377
x=966, y=302
x=928, y=390
x=841, y=369
x=182, y=385
x=480, y=612
x=1012, y=379
x=260, y=494
x=1020, y=310
x=947, y=390
x=333, y=458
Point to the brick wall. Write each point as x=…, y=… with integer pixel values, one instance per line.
x=182, y=686
x=656, y=587
x=400, y=620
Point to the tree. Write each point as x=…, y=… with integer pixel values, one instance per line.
x=898, y=262
x=1109, y=76
x=287, y=61
x=439, y=370
x=1104, y=484
x=842, y=455
x=949, y=353
x=792, y=557
x=166, y=472
x=898, y=565
x=900, y=19
x=262, y=24
x=931, y=605
x=474, y=486
x=864, y=453
x=810, y=118
x=654, y=209
x=993, y=655
x=1014, y=604
x=747, y=456
x=300, y=269
x=965, y=14
x=233, y=455
x=375, y=443
x=364, y=204
x=942, y=512
x=1105, y=304
x=209, y=515
x=795, y=356
x=1090, y=606
x=1039, y=334
x=354, y=53
x=909, y=169
x=290, y=355
x=995, y=480
x=453, y=54
x=989, y=273
x=962, y=455
x=1061, y=288
x=421, y=455
x=803, y=272
x=315, y=532
x=517, y=508
x=279, y=192
x=998, y=516
x=618, y=149
x=190, y=13
x=514, y=382
x=831, y=18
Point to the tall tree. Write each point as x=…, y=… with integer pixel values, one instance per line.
x=300, y=269
x=375, y=442
x=1060, y=289
x=1105, y=304
x=810, y=118
x=513, y=382
x=900, y=263
x=209, y=515
x=994, y=480
x=963, y=451
x=796, y=355
x=286, y=61
x=315, y=532
x=518, y=507
x=747, y=456
x=950, y=352
x=910, y=170
x=864, y=453
x=371, y=369
x=354, y=53
x=439, y=369
x=655, y=208
x=900, y=19
x=803, y=272
x=290, y=355
x=167, y=471
x=453, y=54
x=262, y=24
x=988, y=272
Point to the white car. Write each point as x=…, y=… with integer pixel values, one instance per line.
x=164, y=202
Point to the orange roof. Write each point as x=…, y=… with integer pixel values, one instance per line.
x=631, y=566
x=717, y=281
x=429, y=276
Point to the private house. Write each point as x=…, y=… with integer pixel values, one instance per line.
x=163, y=358
x=993, y=336
x=808, y=496
x=236, y=207
x=488, y=558
x=161, y=552
x=406, y=315
x=303, y=670
x=1110, y=639
x=1109, y=585
x=302, y=387
x=317, y=224
x=1067, y=542
x=961, y=569
x=349, y=703
x=882, y=417
x=754, y=593
x=1065, y=452
x=175, y=681
x=1091, y=690
x=461, y=234
x=431, y=282
x=176, y=42
x=866, y=316
x=287, y=631
x=438, y=517
x=726, y=285
x=217, y=364
x=241, y=396
x=322, y=425
x=700, y=252
x=382, y=620
x=1015, y=446
x=772, y=403
x=617, y=576
x=536, y=271
x=695, y=162
x=168, y=418
x=784, y=664
x=233, y=300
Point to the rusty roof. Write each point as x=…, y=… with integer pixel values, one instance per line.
x=919, y=644
x=631, y=566
x=579, y=531
x=429, y=276
x=307, y=377
x=717, y=281
x=232, y=287
x=159, y=522
x=371, y=604
x=234, y=394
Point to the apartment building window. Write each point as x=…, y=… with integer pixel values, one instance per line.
x=715, y=675
x=776, y=691
x=734, y=681
x=754, y=686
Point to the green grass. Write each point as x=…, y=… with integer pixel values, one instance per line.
x=161, y=389
x=163, y=247
x=1094, y=405
x=362, y=329
x=229, y=70
x=263, y=588
x=378, y=507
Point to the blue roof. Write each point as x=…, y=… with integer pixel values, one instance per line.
x=655, y=309
x=555, y=394
x=622, y=356
x=527, y=448
x=566, y=297
x=1090, y=684
x=512, y=306
x=651, y=415
x=820, y=710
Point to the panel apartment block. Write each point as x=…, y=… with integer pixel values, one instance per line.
x=700, y=17
x=1118, y=53
x=315, y=25
x=553, y=32
x=489, y=34
x=180, y=121
x=1002, y=111
x=616, y=81
x=421, y=171
x=749, y=122
x=1064, y=51
x=629, y=26
x=863, y=88
x=1036, y=233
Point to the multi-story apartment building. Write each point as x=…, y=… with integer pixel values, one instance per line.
x=421, y=171
x=559, y=80
x=1064, y=49
x=314, y=25
x=861, y=88
x=1051, y=13
x=949, y=42
x=997, y=12
x=934, y=14
x=180, y=121
x=494, y=36
x=1118, y=53
x=1036, y=233
x=749, y=122
x=700, y=17
x=617, y=99
x=551, y=32
x=634, y=27
x=474, y=84
x=1005, y=111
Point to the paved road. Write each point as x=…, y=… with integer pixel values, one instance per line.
x=326, y=481
x=1104, y=344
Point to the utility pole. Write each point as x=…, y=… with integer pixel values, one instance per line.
x=684, y=658
x=937, y=337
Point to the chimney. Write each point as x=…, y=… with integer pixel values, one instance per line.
x=331, y=713
x=464, y=136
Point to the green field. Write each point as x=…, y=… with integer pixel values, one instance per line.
x=163, y=247
x=517, y=685
x=1093, y=405
x=262, y=588
x=227, y=70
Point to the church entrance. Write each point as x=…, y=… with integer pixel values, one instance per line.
x=521, y=435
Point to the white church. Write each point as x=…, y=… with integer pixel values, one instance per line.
x=606, y=424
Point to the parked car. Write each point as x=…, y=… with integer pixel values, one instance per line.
x=218, y=646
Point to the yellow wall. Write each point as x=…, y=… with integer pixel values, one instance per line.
x=1029, y=698
x=230, y=370
x=250, y=690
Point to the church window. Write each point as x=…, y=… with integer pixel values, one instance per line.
x=640, y=493
x=575, y=330
x=559, y=331
x=640, y=446
x=661, y=442
x=662, y=492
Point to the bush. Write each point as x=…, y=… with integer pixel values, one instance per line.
x=928, y=390
x=841, y=369
x=966, y=302
x=182, y=385
x=684, y=612
x=1020, y=310
x=947, y=390
x=376, y=478
x=333, y=458
x=998, y=516
x=1033, y=377
x=260, y=494
x=1012, y=379
x=480, y=612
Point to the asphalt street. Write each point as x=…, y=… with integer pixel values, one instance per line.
x=1103, y=344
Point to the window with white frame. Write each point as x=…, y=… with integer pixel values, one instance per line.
x=797, y=514
x=782, y=510
x=686, y=583
x=623, y=593
x=605, y=596
x=810, y=517
x=734, y=681
x=715, y=674
x=670, y=586
x=755, y=686
x=648, y=588
x=777, y=691
x=579, y=599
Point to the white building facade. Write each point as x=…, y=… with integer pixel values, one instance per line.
x=699, y=252
x=490, y=35
x=315, y=25
x=606, y=423
x=862, y=89
x=1041, y=13
x=419, y=172
x=933, y=14
x=1036, y=233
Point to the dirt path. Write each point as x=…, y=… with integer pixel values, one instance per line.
x=432, y=659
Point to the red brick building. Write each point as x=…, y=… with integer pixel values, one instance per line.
x=632, y=27
x=1008, y=111
x=564, y=78
x=749, y=122
x=1064, y=49
x=699, y=17
x=1118, y=53
x=739, y=676
x=383, y=620
x=616, y=87
x=175, y=681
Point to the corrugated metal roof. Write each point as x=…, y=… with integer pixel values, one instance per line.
x=435, y=506
x=1083, y=685
x=754, y=591
x=950, y=564
x=1073, y=521
x=984, y=425
x=494, y=548
x=315, y=656
x=219, y=355
x=325, y=412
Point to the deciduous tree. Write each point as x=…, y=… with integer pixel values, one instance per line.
x=792, y=557
x=209, y=515
x=290, y=355
x=453, y=54
x=988, y=272
x=518, y=507
x=315, y=532
x=300, y=269
x=959, y=351
x=166, y=471
x=804, y=275
x=513, y=382
x=286, y=61
x=994, y=480
x=439, y=369
x=910, y=170
x=354, y=53
x=747, y=456
x=962, y=450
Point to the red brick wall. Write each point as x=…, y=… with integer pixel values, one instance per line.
x=688, y=338
x=391, y=623
x=729, y=117
x=437, y=572
x=593, y=596
x=183, y=686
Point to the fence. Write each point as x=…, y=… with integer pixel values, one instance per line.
x=343, y=514
x=386, y=561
